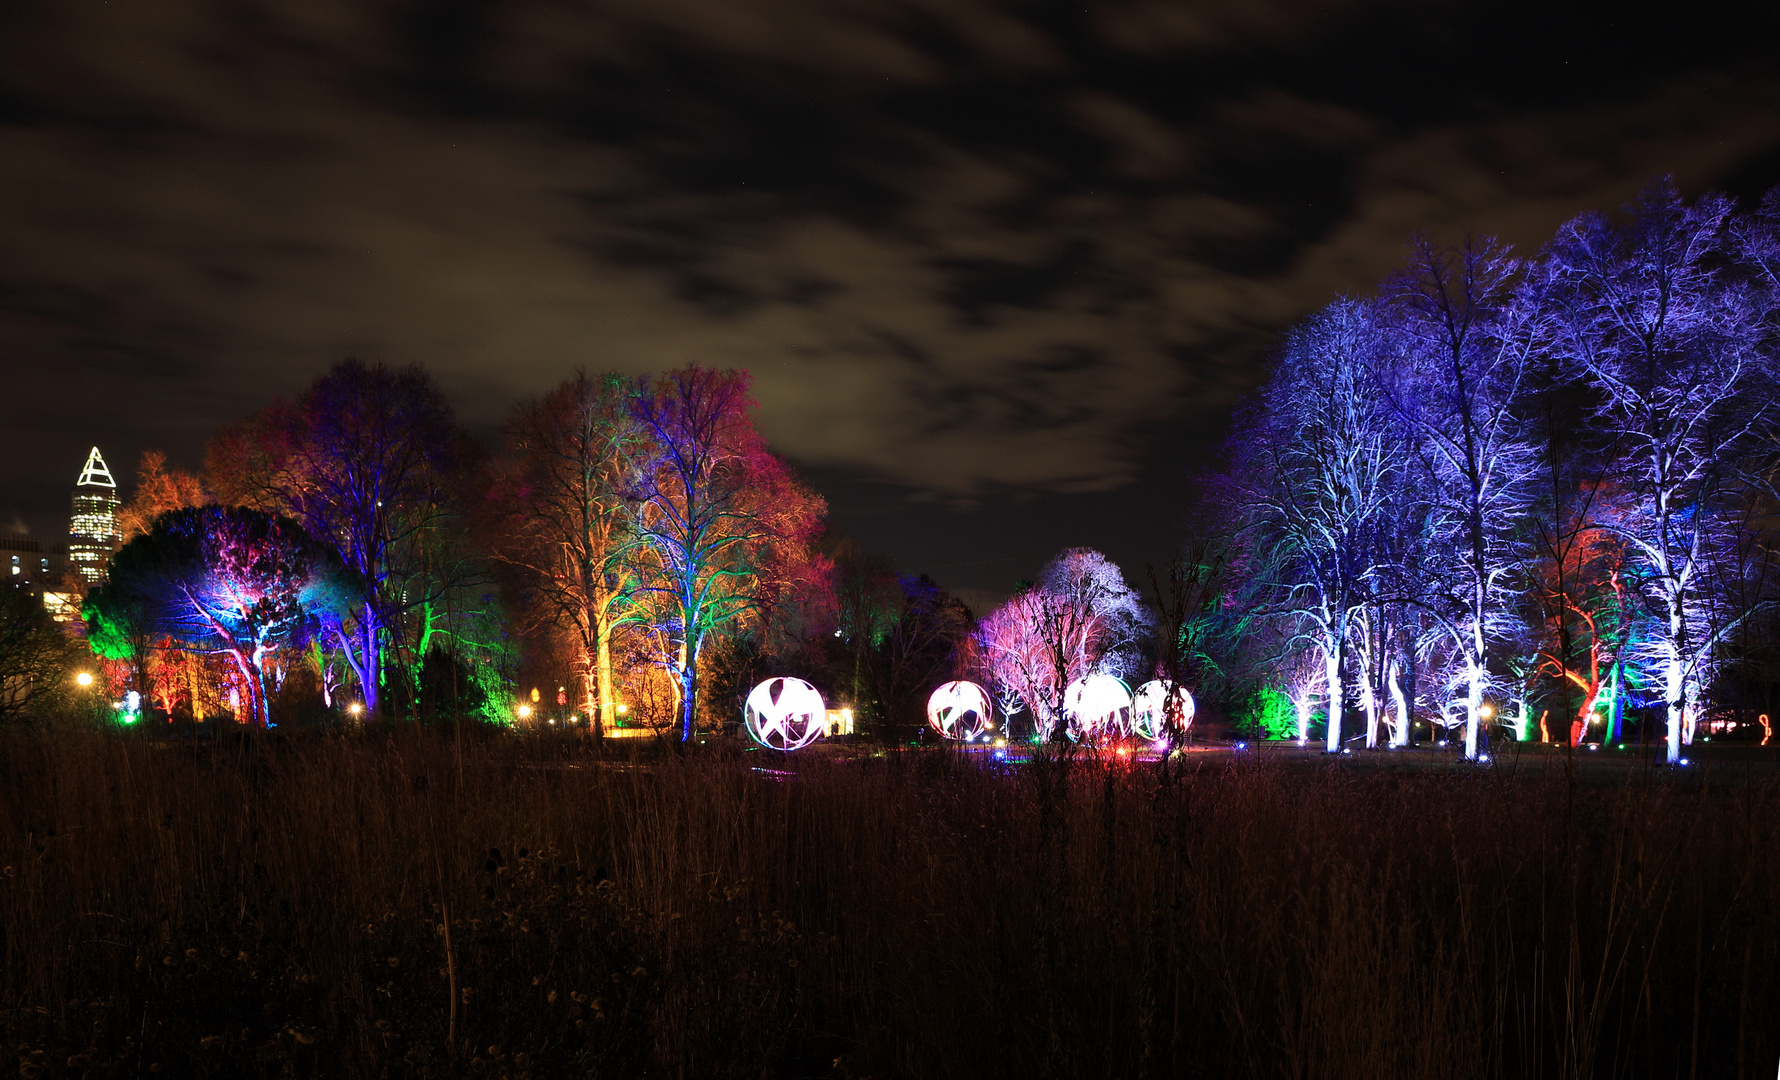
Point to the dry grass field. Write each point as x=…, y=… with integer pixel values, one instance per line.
x=414, y=904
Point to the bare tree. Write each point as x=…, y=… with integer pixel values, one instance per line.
x=36, y=656
x=1079, y=618
x=367, y=461
x=725, y=527
x=1316, y=465
x=1466, y=349
x=1653, y=314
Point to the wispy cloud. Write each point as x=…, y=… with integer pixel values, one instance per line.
x=963, y=247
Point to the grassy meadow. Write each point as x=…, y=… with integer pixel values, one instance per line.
x=437, y=904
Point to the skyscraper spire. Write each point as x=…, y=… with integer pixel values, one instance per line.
x=93, y=533
x=94, y=473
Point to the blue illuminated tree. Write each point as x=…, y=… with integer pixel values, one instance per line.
x=1317, y=469
x=725, y=527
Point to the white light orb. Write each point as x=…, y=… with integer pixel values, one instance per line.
x=1149, y=716
x=785, y=714
x=960, y=710
x=1097, y=707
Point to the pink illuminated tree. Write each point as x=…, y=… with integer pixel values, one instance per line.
x=1079, y=618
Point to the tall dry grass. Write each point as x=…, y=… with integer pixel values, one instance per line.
x=425, y=905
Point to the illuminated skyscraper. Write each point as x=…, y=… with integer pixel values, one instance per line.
x=93, y=533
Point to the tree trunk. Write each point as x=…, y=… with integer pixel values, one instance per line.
x=1475, y=674
x=1400, y=735
x=688, y=690
x=1673, y=691
x=370, y=673
x=1332, y=662
x=603, y=662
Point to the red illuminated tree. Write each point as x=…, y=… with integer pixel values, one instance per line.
x=159, y=489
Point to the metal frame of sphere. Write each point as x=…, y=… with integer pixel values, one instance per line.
x=960, y=711
x=1149, y=716
x=784, y=713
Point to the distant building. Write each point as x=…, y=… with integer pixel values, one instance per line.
x=93, y=532
x=40, y=570
x=24, y=562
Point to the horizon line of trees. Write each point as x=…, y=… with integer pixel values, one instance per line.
x=1500, y=489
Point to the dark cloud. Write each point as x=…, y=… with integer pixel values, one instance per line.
x=974, y=252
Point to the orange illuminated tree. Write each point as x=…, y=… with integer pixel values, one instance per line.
x=564, y=521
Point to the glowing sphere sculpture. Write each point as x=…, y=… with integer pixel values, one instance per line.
x=785, y=714
x=1149, y=716
x=960, y=710
x=1097, y=707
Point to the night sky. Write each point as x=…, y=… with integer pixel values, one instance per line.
x=999, y=269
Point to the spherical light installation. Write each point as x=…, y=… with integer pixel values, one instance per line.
x=785, y=714
x=960, y=710
x=1098, y=707
x=1149, y=715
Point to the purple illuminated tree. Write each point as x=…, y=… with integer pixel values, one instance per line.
x=1659, y=316
x=1459, y=387
x=367, y=462
x=222, y=580
x=1315, y=468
